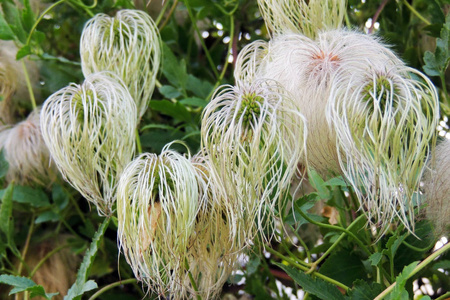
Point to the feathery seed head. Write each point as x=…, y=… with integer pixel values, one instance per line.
x=385, y=128
x=127, y=45
x=89, y=130
x=158, y=202
x=254, y=136
x=302, y=16
x=437, y=188
x=27, y=155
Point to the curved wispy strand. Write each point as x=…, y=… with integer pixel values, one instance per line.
x=385, y=122
x=158, y=203
x=26, y=153
x=302, y=16
x=127, y=45
x=436, y=182
x=254, y=135
x=89, y=130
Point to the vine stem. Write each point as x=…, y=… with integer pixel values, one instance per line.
x=299, y=266
x=44, y=259
x=172, y=9
x=360, y=243
x=377, y=14
x=444, y=87
x=202, y=41
x=138, y=142
x=419, y=267
x=30, y=88
x=414, y=11
x=111, y=286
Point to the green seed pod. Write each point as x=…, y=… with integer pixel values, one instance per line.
x=89, y=130
x=127, y=45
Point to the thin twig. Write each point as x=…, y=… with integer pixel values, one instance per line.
x=377, y=14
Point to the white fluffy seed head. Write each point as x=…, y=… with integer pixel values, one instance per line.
x=305, y=68
x=301, y=16
x=27, y=155
x=385, y=123
x=7, y=88
x=158, y=202
x=89, y=130
x=127, y=45
x=255, y=137
x=436, y=181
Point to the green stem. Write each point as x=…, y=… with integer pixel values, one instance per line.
x=25, y=247
x=172, y=9
x=202, y=41
x=74, y=203
x=40, y=18
x=444, y=87
x=416, y=248
x=414, y=11
x=44, y=259
x=138, y=142
x=445, y=296
x=294, y=256
x=111, y=286
x=332, y=227
x=191, y=279
x=295, y=264
x=308, y=255
x=29, y=86
x=229, y=50
x=161, y=13
x=419, y=267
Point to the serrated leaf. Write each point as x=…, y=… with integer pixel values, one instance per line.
x=174, y=70
x=13, y=17
x=252, y=265
x=6, y=210
x=362, y=290
x=81, y=284
x=436, y=63
x=59, y=197
x=169, y=91
x=24, y=284
x=175, y=110
x=399, y=292
x=336, y=181
x=47, y=216
x=201, y=88
x=392, y=245
x=28, y=195
x=318, y=183
x=375, y=258
x=316, y=286
x=194, y=101
x=344, y=267
x=28, y=17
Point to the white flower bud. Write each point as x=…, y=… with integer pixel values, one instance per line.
x=89, y=130
x=127, y=45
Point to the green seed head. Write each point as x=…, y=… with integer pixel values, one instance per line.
x=381, y=90
x=250, y=107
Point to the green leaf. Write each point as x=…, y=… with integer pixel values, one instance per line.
x=200, y=88
x=6, y=213
x=399, y=292
x=5, y=32
x=158, y=126
x=47, y=216
x=28, y=195
x=81, y=285
x=13, y=17
x=194, y=101
x=28, y=17
x=174, y=110
x=336, y=181
x=60, y=198
x=3, y=164
x=316, y=286
x=344, y=267
x=318, y=183
x=174, y=70
x=24, y=51
x=392, y=245
x=362, y=290
x=169, y=91
x=436, y=63
x=375, y=258
x=253, y=264
x=24, y=284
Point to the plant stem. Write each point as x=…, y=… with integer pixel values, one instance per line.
x=414, y=11
x=202, y=41
x=332, y=227
x=172, y=9
x=308, y=255
x=191, y=279
x=295, y=264
x=444, y=87
x=419, y=267
x=377, y=14
x=111, y=286
x=44, y=259
x=30, y=88
x=443, y=297
x=138, y=142
x=26, y=245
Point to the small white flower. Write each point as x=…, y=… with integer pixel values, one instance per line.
x=127, y=45
x=255, y=137
x=27, y=154
x=301, y=16
x=89, y=130
x=158, y=203
x=437, y=189
x=385, y=124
